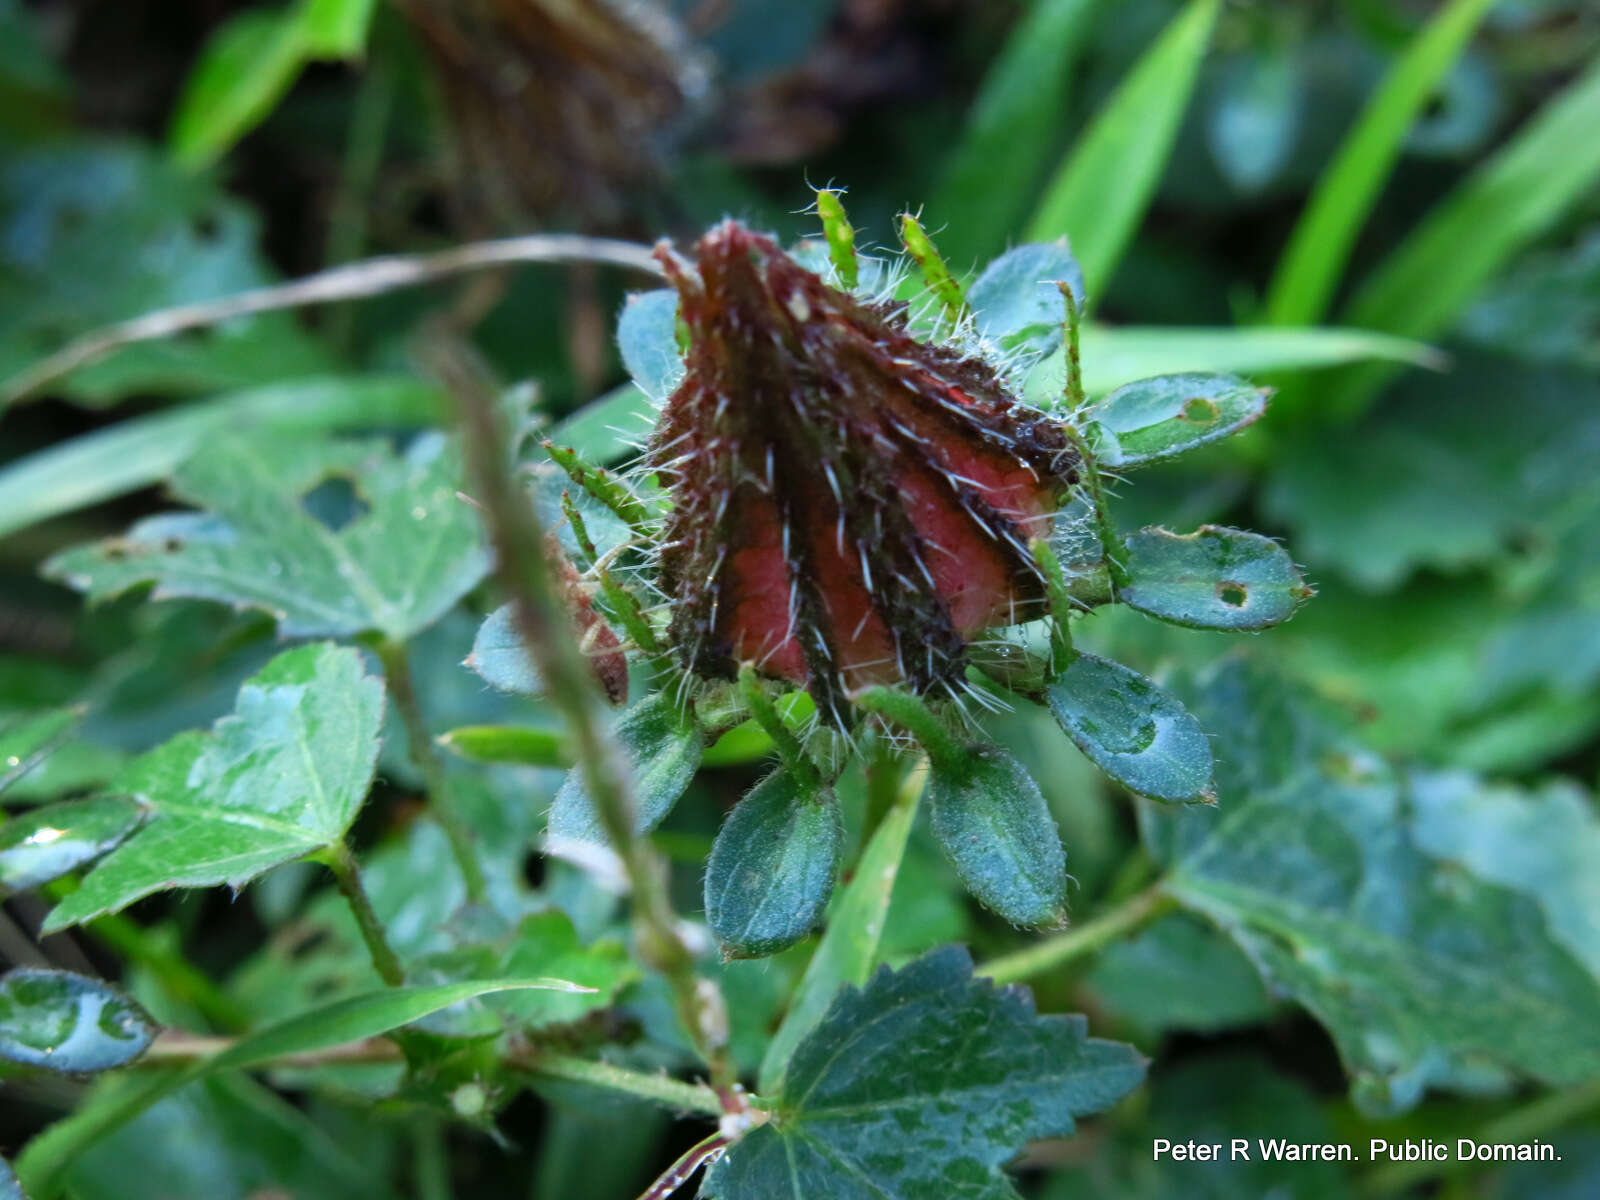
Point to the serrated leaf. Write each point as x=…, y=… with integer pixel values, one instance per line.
x=1376, y=918
x=1214, y=578
x=662, y=749
x=280, y=778
x=1016, y=302
x=849, y=948
x=69, y=1022
x=26, y=737
x=500, y=656
x=772, y=866
x=994, y=824
x=1134, y=731
x=395, y=565
x=548, y=943
x=647, y=336
x=509, y=744
x=923, y=1083
x=155, y=238
x=1179, y=974
x=1157, y=418
x=50, y=841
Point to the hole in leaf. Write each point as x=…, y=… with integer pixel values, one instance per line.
x=116, y=552
x=208, y=228
x=334, y=503
x=1198, y=410
x=1233, y=594
x=533, y=870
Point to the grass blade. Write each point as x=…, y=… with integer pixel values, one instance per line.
x=1310, y=268
x=996, y=168
x=1101, y=191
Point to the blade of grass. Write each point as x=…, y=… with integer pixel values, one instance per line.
x=1471, y=235
x=1312, y=265
x=995, y=169
x=1101, y=191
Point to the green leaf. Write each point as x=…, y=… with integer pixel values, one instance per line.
x=772, y=866
x=509, y=744
x=145, y=450
x=26, y=737
x=1506, y=203
x=1116, y=356
x=250, y=62
x=602, y=431
x=50, y=841
x=69, y=1022
x=245, y=68
x=1135, y=732
x=647, y=335
x=280, y=778
x=1214, y=578
x=547, y=942
x=993, y=822
x=500, y=656
x=1099, y=194
x=1179, y=974
x=1373, y=913
x=1157, y=418
x=1311, y=266
x=1012, y=126
x=155, y=238
x=1546, y=310
x=924, y=1083
x=662, y=748
x=232, y=1137
x=849, y=948
x=52, y=1152
x=407, y=548
x=1016, y=302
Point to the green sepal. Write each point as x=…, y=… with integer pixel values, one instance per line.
x=994, y=824
x=1214, y=578
x=772, y=867
x=1134, y=731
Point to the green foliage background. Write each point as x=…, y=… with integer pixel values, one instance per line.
x=1388, y=926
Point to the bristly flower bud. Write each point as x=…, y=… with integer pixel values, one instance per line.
x=850, y=505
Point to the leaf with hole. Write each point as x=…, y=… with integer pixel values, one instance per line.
x=1134, y=731
x=331, y=538
x=280, y=778
x=48, y=842
x=924, y=1082
x=68, y=1022
x=1157, y=418
x=995, y=826
x=772, y=866
x=1214, y=578
x=661, y=745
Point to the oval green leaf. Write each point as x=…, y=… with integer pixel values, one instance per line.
x=662, y=747
x=647, y=336
x=1134, y=731
x=1016, y=302
x=68, y=1022
x=772, y=867
x=500, y=656
x=1214, y=578
x=48, y=842
x=993, y=822
x=1153, y=419
x=514, y=744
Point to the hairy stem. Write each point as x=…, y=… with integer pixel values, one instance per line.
x=1092, y=936
x=911, y=714
x=425, y=756
x=662, y=1089
x=545, y=626
x=342, y=863
x=766, y=715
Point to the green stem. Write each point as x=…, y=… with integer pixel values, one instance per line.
x=1093, y=935
x=788, y=746
x=915, y=717
x=1060, y=603
x=425, y=756
x=662, y=1089
x=1075, y=393
x=431, y=1162
x=1519, y=1125
x=342, y=863
x=542, y=620
x=587, y=553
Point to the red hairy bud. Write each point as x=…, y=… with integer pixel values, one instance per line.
x=850, y=505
